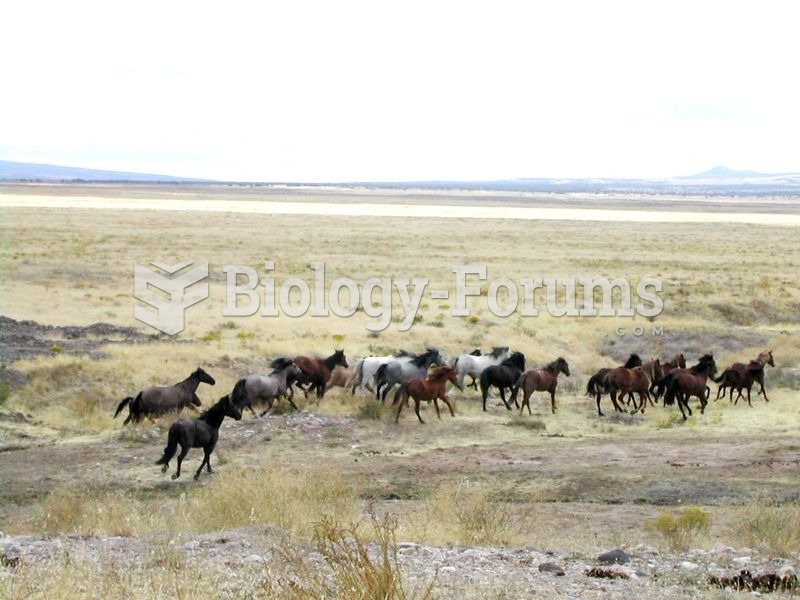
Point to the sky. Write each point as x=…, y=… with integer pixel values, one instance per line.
x=397, y=91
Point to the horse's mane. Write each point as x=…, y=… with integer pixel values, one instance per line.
x=553, y=366
x=279, y=364
x=705, y=360
x=516, y=360
x=420, y=359
x=633, y=361
x=439, y=372
x=214, y=409
x=476, y=352
x=402, y=352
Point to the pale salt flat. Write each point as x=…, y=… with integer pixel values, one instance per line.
x=344, y=208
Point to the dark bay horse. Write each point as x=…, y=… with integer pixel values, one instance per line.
x=502, y=376
x=629, y=382
x=541, y=380
x=202, y=432
x=597, y=385
x=316, y=371
x=156, y=401
x=432, y=388
x=676, y=362
x=737, y=379
x=738, y=373
x=259, y=389
x=682, y=384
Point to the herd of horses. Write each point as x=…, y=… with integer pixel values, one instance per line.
x=424, y=377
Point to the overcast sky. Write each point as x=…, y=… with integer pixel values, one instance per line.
x=342, y=91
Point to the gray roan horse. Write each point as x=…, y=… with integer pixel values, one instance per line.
x=257, y=389
x=368, y=366
x=202, y=432
x=472, y=365
x=156, y=401
x=403, y=369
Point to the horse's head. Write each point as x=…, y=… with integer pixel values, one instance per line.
x=293, y=373
x=633, y=361
x=658, y=372
x=446, y=373
x=680, y=360
x=341, y=359
x=280, y=363
x=766, y=358
x=203, y=376
x=435, y=356
x=196, y=401
x=516, y=361
x=230, y=409
x=563, y=366
x=500, y=352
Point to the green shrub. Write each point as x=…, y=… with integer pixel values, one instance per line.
x=681, y=531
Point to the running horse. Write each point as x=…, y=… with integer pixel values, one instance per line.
x=316, y=372
x=432, y=388
x=541, y=380
x=682, y=384
x=502, y=376
x=738, y=373
x=597, y=385
x=156, y=401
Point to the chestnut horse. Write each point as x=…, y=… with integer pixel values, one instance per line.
x=541, y=380
x=316, y=372
x=676, y=362
x=433, y=387
x=682, y=384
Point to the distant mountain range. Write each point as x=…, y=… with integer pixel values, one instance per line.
x=21, y=171
x=719, y=180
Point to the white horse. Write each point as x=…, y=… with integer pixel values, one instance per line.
x=472, y=365
x=368, y=366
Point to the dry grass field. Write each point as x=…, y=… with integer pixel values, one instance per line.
x=570, y=484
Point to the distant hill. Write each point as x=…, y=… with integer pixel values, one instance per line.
x=20, y=171
x=722, y=172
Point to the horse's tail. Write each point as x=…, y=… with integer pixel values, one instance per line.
x=669, y=392
x=485, y=384
x=238, y=396
x=172, y=446
x=591, y=387
x=517, y=385
x=722, y=377
x=357, y=379
x=380, y=374
x=122, y=404
x=401, y=395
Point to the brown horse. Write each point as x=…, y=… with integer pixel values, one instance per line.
x=433, y=387
x=316, y=372
x=682, y=384
x=541, y=380
x=341, y=377
x=597, y=385
x=739, y=380
x=655, y=372
x=155, y=401
x=676, y=362
x=738, y=373
x=629, y=382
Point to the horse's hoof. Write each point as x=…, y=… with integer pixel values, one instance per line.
x=197, y=477
x=175, y=475
x=164, y=469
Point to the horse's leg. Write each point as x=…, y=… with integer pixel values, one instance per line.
x=552, y=401
x=680, y=405
x=484, y=392
x=294, y=406
x=446, y=401
x=400, y=406
x=599, y=412
x=385, y=392
x=181, y=456
x=206, y=455
x=416, y=410
x=613, y=394
x=748, y=398
x=503, y=397
x=763, y=391
x=436, y=406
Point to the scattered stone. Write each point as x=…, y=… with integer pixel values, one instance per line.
x=742, y=560
x=614, y=572
x=551, y=567
x=721, y=549
x=689, y=566
x=617, y=556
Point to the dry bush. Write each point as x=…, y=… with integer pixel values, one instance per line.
x=777, y=527
x=289, y=499
x=361, y=565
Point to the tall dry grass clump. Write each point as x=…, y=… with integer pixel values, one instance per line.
x=775, y=526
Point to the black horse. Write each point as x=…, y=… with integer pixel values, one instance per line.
x=202, y=432
x=156, y=401
x=503, y=376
